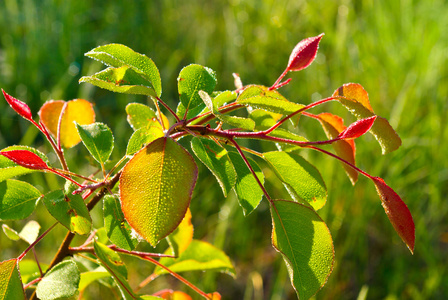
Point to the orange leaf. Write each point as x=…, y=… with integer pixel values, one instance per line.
x=397, y=212
x=78, y=110
x=173, y=295
x=354, y=91
x=333, y=126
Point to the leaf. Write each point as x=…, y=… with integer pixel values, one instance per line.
x=199, y=256
x=26, y=159
x=121, y=80
x=29, y=270
x=139, y=115
x=356, y=100
x=116, y=55
x=156, y=187
x=143, y=136
x=19, y=107
x=10, y=233
x=247, y=189
x=173, y=295
x=299, y=176
x=10, y=283
x=305, y=243
x=304, y=53
x=78, y=110
x=333, y=125
x=18, y=199
x=357, y=128
x=216, y=159
x=261, y=97
x=112, y=262
x=9, y=169
x=192, y=112
x=192, y=79
x=182, y=236
x=60, y=282
x=237, y=122
x=30, y=232
x=397, y=212
x=118, y=230
x=98, y=139
x=90, y=277
x=68, y=209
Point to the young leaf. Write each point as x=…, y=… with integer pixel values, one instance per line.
x=356, y=100
x=216, y=159
x=191, y=80
x=18, y=199
x=199, y=256
x=139, y=115
x=9, y=169
x=10, y=283
x=247, y=189
x=98, y=139
x=305, y=243
x=258, y=96
x=121, y=80
x=90, y=277
x=304, y=53
x=143, y=136
x=116, y=55
x=358, y=128
x=156, y=187
x=111, y=261
x=237, y=122
x=333, y=125
x=118, y=230
x=78, y=110
x=10, y=233
x=299, y=176
x=70, y=210
x=26, y=159
x=397, y=212
x=19, y=107
x=181, y=238
x=30, y=232
x=61, y=282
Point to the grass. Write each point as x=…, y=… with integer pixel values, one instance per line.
x=396, y=49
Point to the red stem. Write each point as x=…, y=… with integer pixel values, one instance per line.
x=35, y=242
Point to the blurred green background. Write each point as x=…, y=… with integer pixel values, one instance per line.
x=398, y=50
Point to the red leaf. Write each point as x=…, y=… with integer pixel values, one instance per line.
x=358, y=128
x=304, y=53
x=20, y=107
x=397, y=212
x=25, y=159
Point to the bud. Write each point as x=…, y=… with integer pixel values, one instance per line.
x=20, y=107
x=304, y=53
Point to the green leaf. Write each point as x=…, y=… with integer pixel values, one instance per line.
x=30, y=232
x=29, y=270
x=10, y=233
x=192, y=112
x=305, y=243
x=356, y=100
x=60, y=282
x=9, y=169
x=156, y=187
x=10, y=283
x=247, y=189
x=121, y=80
x=112, y=262
x=142, y=137
x=98, y=139
x=199, y=256
x=118, y=230
x=90, y=277
x=139, y=115
x=18, y=199
x=191, y=80
x=237, y=122
x=217, y=160
x=70, y=210
x=258, y=96
x=299, y=176
x=116, y=55
x=182, y=236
